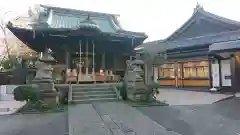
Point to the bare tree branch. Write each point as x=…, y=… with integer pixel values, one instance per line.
x=3, y=28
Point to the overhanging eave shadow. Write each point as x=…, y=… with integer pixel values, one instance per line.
x=223, y=47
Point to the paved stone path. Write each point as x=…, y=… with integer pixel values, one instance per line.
x=113, y=118
x=105, y=118
x=117, y=118
x=84, y=120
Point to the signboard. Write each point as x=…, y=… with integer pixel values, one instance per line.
x=215, y=75
x=226, y=72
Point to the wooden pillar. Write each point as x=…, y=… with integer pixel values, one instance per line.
x=210, y=72
x=114, y=62
x=103, y=65
x=86, y=57
x=93, y=64
x=220, y=72
x=176, y=73
x=80, y=62
x=103, y=59
x=67, y=58
x=155, y=75
x=233, y=76
x=235, y=73
x=67, y=62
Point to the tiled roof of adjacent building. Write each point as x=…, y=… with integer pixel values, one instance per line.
x=202, y=28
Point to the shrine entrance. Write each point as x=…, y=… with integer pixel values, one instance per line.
x=92, y=46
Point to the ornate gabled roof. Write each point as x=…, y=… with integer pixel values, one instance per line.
x=198, y=44
x=44, y=17
x=203, y=23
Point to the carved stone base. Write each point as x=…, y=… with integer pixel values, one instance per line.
x=46, y=86
x=139, y=96
x=45, y=80
x=48, y=93
x=50, y=100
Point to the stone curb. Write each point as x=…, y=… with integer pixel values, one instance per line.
x=230, y=97
x=237, y=94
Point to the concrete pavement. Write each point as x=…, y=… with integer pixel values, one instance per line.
x=111, y=118
x=7, y=103
x=130, y=120
x=84, y=120
x=117, y=118
x=221, y=118
x=34, y=124
x=181, y=97
x=104, y=118
x=10, y=107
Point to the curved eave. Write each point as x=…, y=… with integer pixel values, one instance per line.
x=133, y=34
x=223, y=47
x=137, y=38
x=180, y=48
x=154, y=47
x=26, y=36
x=205, y=41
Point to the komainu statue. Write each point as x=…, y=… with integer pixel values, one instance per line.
x=134, y=79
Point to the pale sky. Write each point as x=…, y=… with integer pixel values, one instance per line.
x=157, y=18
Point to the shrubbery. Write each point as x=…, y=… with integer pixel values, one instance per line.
x=63, y=95
x=123, y=90
x=27, y=93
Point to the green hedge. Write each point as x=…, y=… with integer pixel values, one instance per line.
x=123, y=90
x=27, y=93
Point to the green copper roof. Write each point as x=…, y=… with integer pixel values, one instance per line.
x=64, y=21
x=56, y=17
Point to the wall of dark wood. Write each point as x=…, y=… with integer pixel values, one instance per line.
x=235, y=69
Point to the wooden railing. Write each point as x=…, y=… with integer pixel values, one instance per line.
x=97, y=77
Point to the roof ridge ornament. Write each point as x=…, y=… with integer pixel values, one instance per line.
x=87, y=20
x=198, y=7
x=88, y=23
x=88, y=17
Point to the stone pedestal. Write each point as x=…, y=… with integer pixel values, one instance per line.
x=43, y=80
x=137, y=90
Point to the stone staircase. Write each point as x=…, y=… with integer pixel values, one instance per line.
x=93, y=92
